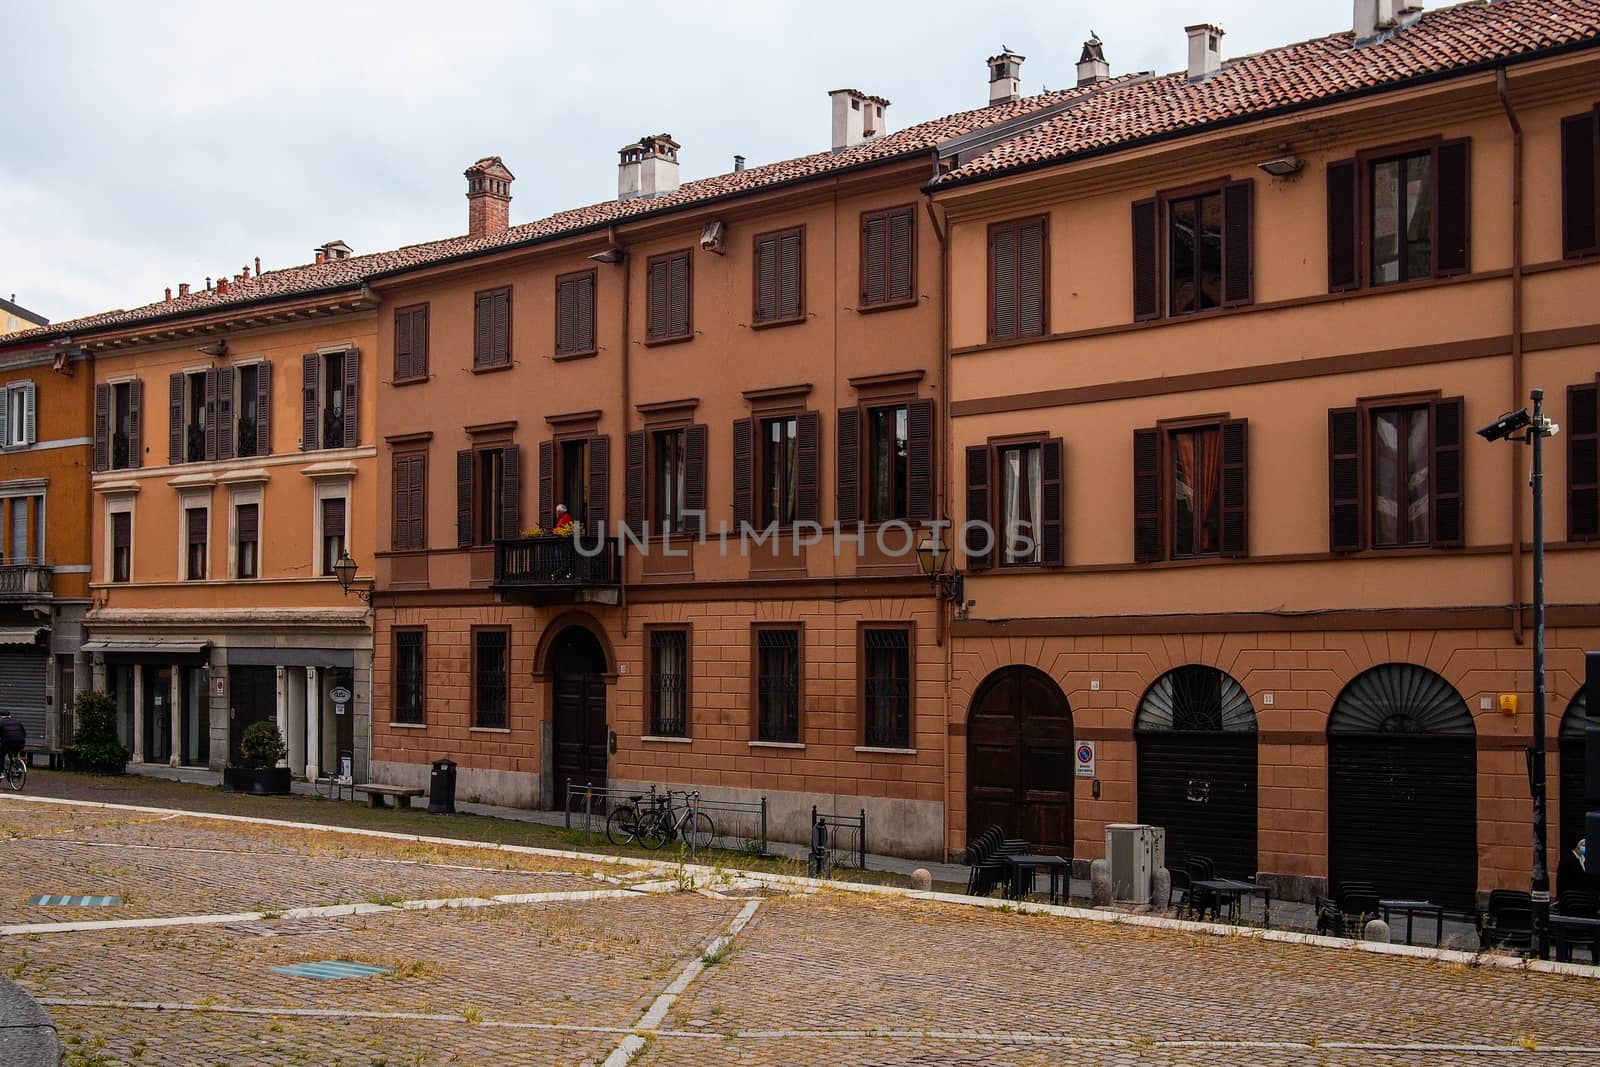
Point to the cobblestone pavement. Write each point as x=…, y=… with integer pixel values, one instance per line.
x=629, y=967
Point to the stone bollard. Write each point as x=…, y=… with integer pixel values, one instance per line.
x=1100, y=883
x=922, y=879
x=1376, y=930
x=1160, y=888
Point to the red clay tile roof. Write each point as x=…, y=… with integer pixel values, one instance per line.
x=1299, y=75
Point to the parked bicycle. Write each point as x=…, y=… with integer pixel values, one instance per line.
x=654, y=820
x=16, y=771
x=622, y=828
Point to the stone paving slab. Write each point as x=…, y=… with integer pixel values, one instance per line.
x=21, y=820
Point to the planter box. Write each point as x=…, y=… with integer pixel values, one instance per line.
x=70, y=760
x=262, y=782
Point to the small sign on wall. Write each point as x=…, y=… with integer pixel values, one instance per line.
x=1084, y=760
x=220, y=687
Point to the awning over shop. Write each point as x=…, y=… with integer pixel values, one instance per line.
x=22, y=635
x=148, y=648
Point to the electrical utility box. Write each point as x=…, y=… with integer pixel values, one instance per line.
x=1135, y=852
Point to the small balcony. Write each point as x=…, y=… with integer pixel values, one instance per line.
x=551, y=570
x=24, y=581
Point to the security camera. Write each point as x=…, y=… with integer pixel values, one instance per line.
x=1506, y=425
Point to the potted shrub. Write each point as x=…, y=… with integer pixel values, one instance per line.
x=95, y=747
x=257, y=772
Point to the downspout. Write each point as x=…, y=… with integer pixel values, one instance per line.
x=1516, y=348
x=627, y=398
x=941, y=495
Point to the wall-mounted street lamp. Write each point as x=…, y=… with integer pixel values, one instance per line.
x=934, y=557
x=344, y=569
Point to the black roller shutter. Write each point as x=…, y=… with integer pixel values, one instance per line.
x=22, y=680
x=1202, y=788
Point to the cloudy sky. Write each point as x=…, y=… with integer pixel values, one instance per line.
x=149, y=144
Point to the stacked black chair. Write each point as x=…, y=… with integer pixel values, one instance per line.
x=983, y=853
x=1508, y=921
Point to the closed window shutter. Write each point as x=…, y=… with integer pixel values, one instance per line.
x=766, y=309
x=744, y=431
x=1452, y=208
x=920, y=460
x=1580, y=184
x=599, y=482
x=1002, y=283
x=902, y=253
x=1052, y=493
x=1344, y=227
x=586, y=313
x=500, y=328
x=791, y=276
x=1147, y=541
x=402, y=345
x=197, y=527
x=419, y=342
x=211, y=413
x=400, y=524
x=264, y=409
x=227, y=432
x=175, y=384
x=1235, y=488
x=30, y=414
x=566, y=315
x=102, y=427
x=465, y=460
x=656, y=300
x=547, y=484
x=694, y=478
x=1346, y=513
x=136, y=423
x=417, y=535
x=678, y=295
x=1445, y=484
x=1146, y=262
x=807, y=463
x=1031, y=315
x=874, y=258
x=979, y=529
x=352, y=399
x=483, y=331
x=511, y=491
x=1583, y=462
x=849, y=464
x=310, y=375
x=1238, y=271
x=633, y=511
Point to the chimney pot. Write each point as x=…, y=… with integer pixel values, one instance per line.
x=208, y=283
x=247, y=272
x=222, y=286
x=258, y=266
x=738, y=164
x=648, y=167
x=1092, y=65
x=1205, y=50
x=320, y=255
x=857, y=117
x=1375, y=18
x=183, y=288
x=1005, y=77
x=488, y=198
x=169, y=294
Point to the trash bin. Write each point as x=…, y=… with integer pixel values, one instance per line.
x=442, y=788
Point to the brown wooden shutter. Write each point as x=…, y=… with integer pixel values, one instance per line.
x=333, y=518
x=196, y=521
x=136, y=423
x=566, y=315
x=678, y=317
x=466, y=459
x=979, y=529
x=352, y=399
x=744, y=432
x=656, y=298
x=211, y=413
x=417, y=535
x=310, y=377
x=1583, y=462
x=791, y=275
x=1032, y=306
x=102, y=427
x=264, y=409
x=175, y=384
x=808, y=467
x=511, y=491
x=902, y=254
x=600, y=483
x=400, y=503
x=1238, y=261
x=227, y=432
x=1446, y=481
x=586, y=334
x=1147, y=494
x=1002, y=283
x=1347, y=528
x=249, y=522
x=766, y=294
x=920, y=461
x=874, y=258
x=483, y=330
x=1580, y=184
x=694, y=478
x=1052, y=494
x=403, y=344
x=419, y=341
x=500, y=328
x=1146, y=261
x=547, y=484
x=849, y=467
x=1452, y=208
x=1344, y=226
x=1235, y=488
x=634, y=461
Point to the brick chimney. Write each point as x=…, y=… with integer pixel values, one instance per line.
x=1005, y=78
x=857, y=117
x=648, y=168
x=1205, y=50
x=1092, y=65
x=488, y=197
x=183, y=289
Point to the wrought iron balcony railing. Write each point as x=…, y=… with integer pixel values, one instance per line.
x=552, y=567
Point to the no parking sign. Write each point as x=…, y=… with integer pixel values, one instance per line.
x=1085, y=759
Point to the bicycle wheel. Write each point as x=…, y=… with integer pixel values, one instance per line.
x=703, y=831
x=655, y=828
x=16, y=773
x=623, y=826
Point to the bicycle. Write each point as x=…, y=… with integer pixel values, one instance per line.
x=667, y=820
x=622, y=828
x=16, y=771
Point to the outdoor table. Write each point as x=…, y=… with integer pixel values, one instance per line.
x=1564, y=926
x=1231, y=889
x=1028, y=864
x=1412, y=908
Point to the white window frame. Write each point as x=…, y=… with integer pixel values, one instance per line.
x=246, y=496
x=329, y=488
x=21, y=431
x=238, y=412
x=33, y=489
x=120, y=504
x=188, y=499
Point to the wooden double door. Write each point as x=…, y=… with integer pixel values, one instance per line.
x=1020, y=760
x=581, y=737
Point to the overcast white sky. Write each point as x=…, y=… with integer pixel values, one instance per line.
x=146, y=144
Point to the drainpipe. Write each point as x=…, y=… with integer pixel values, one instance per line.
x=627, y=399
x=1516, y=348
x=941, y=496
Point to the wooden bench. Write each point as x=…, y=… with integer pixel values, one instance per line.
x=375, y=794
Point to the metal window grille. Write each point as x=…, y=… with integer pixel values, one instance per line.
x=408, y=676
x=490, y=709
x=888, y=688
x=669, y=689
x=778, y=685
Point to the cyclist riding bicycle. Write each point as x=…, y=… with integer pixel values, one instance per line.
x=13, y=735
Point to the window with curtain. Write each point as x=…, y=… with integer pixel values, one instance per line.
x=670, y=482
x=1196, y=491
x=1402, y=218
x=1400, y=477
x=1021, y=504
x=779, y=442
x=669, y=683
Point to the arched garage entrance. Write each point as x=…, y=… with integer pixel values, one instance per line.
x=1196, y=737
x=1403, y=787
x=1019, y=759
x=1573, y=807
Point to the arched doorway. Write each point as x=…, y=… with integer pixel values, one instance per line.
x=576, y=664
x=1019, y=759
x=1573, y=807
x=1196, y=738
x=1403, y=787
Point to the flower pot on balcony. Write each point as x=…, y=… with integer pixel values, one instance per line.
x=257, y=781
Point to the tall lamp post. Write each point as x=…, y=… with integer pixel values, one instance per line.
x=1533, y=429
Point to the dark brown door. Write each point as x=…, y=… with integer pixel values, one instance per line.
x=157, y=715
x=252, y=698
x=581, y=736
x=1019, y=760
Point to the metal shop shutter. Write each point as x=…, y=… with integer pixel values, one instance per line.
x=22, y=679
x=1202, y=788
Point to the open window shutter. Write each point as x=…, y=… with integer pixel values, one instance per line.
x=483, y=330
x=791, y=276
x=1147, y=546
x=403, y=341
x=1583, y=462
x=1238, y=270
x=979, y=529
x=465, y=460
x=136, y=423
x=1031, y=316
x=175, y=385
x=400, y=500
x=102, y=427
x=310, y=375
x=211, y=414
x=849, y=467
x=1452, y=208
x=766, y=279
x=744, y=432
x=1052, y=493
x=633, y=510
x=264, y=409
x=511, y=491
x=874, y=259
x=1580, y=184
x=227, y=433
x=1344, y=227
x=352, y=399
x=1146, y=262
x=808, y=446
x=656, y=300
x=1235, y=488
x=694, y=478
x=547, y=484
x=600, y=482
x=1346, y=528
x=678, y=294
x=1002, y=283
x=1445, y=482
x=902, y=249
x=30, y=414
x=920, y=460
